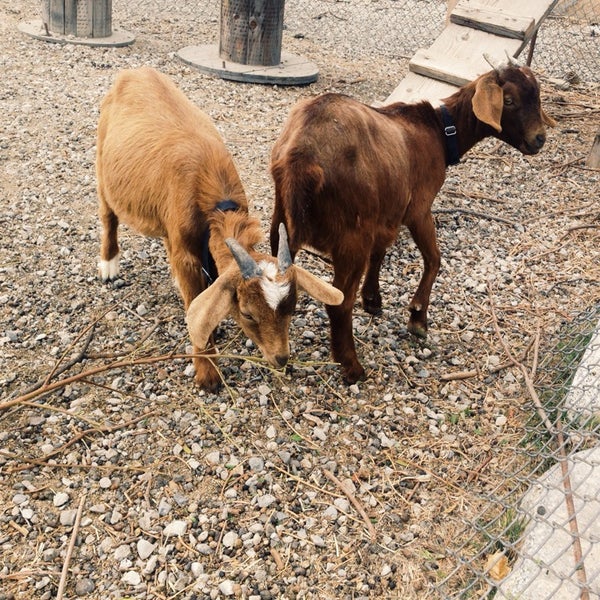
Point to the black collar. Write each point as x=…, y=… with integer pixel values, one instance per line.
x=209, y=268
x=452, y=152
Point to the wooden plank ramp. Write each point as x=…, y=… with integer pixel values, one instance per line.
x=493, y=27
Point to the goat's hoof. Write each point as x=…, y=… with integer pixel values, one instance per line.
x=372, y=305
x=417, y=329
x=353, y=374
x=211, y=382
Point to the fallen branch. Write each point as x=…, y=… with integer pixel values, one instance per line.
x=528, y=381
x=357, y=505
x=475, y=213
x=50, y=387
x=65, y=570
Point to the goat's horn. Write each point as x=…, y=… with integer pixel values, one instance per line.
x=491, y=62
x=248, y=266
x=284, y=257
x=512, y=60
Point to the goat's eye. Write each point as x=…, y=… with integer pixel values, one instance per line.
x=508, y=100
x=247, y=316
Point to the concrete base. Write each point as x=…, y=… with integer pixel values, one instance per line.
x=36, y=30
x=292, y=70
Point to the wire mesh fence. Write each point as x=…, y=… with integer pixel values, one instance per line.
x=567, y=42
x=536, y=534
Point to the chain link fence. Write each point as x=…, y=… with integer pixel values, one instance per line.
x=566, y=46
x=536, y=535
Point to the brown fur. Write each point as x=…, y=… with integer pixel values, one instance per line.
x=347, y=176
x=162, y=168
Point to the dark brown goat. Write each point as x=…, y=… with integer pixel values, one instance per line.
x=348, y=175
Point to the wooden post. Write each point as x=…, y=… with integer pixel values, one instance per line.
x=251, y=31
x=593, y=160
x=80, y=18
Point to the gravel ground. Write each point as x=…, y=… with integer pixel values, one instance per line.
x=282, y=485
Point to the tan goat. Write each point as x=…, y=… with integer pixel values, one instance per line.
x=163, y=168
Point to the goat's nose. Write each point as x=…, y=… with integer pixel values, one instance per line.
x=540, y=139
x=281, y=359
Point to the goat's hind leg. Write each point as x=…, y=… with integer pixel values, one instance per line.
x=424, y=236
x=371, y=295
x=108, y=266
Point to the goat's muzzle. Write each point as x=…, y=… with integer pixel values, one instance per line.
x=533, y=145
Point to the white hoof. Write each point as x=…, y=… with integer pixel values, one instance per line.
x=109, y=269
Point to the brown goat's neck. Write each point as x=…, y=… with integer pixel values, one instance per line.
x=469, y=130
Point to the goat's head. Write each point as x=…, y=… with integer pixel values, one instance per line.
x=260, y=294
x=508, y=100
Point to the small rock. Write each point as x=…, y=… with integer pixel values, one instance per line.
x=266, y=500
x=60, y=499
x=83, y=587
x=132, y=578
x=67, y=517
x=226, y=587
x=175, y=528
x=230, y=539
x=145, y=548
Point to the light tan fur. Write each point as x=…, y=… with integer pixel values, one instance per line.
x=162, y=167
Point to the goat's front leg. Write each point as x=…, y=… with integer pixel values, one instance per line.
x=108, y=266
x=343, y=349
x=187, y=272
x=424, y=236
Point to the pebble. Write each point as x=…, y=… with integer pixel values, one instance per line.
x=132, y=578
x=85, y=586
x=145, y=548
x=175, y=528
x=60, y=499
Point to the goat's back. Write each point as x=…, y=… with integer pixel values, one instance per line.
x=158, y=152
x=341, y=166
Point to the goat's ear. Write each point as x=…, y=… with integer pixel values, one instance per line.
x=488, y=101
x=210, y=307
x=547, y=119
x=317, y=288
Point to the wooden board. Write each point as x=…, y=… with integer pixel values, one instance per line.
x=497, y=22
x=538, y=10
x=456, y=56
x=414, y=88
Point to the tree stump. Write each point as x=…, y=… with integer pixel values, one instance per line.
x=593, y=159
x=80, y=18
x=251, y=31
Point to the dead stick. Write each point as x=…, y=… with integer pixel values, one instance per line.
x=65, y=570
x=45, y=389
x=475, y=213
x=528, y=382
x=577, y=552
x=357, y=505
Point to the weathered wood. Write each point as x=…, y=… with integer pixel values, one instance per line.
x=57, y=16
x=456, y=56
x=593, y=159
x=251, y=31
x=414, y=88
x=79, y=18
x=102, y=18
x=538, y=10
x=70, y=17
x=498, y=22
